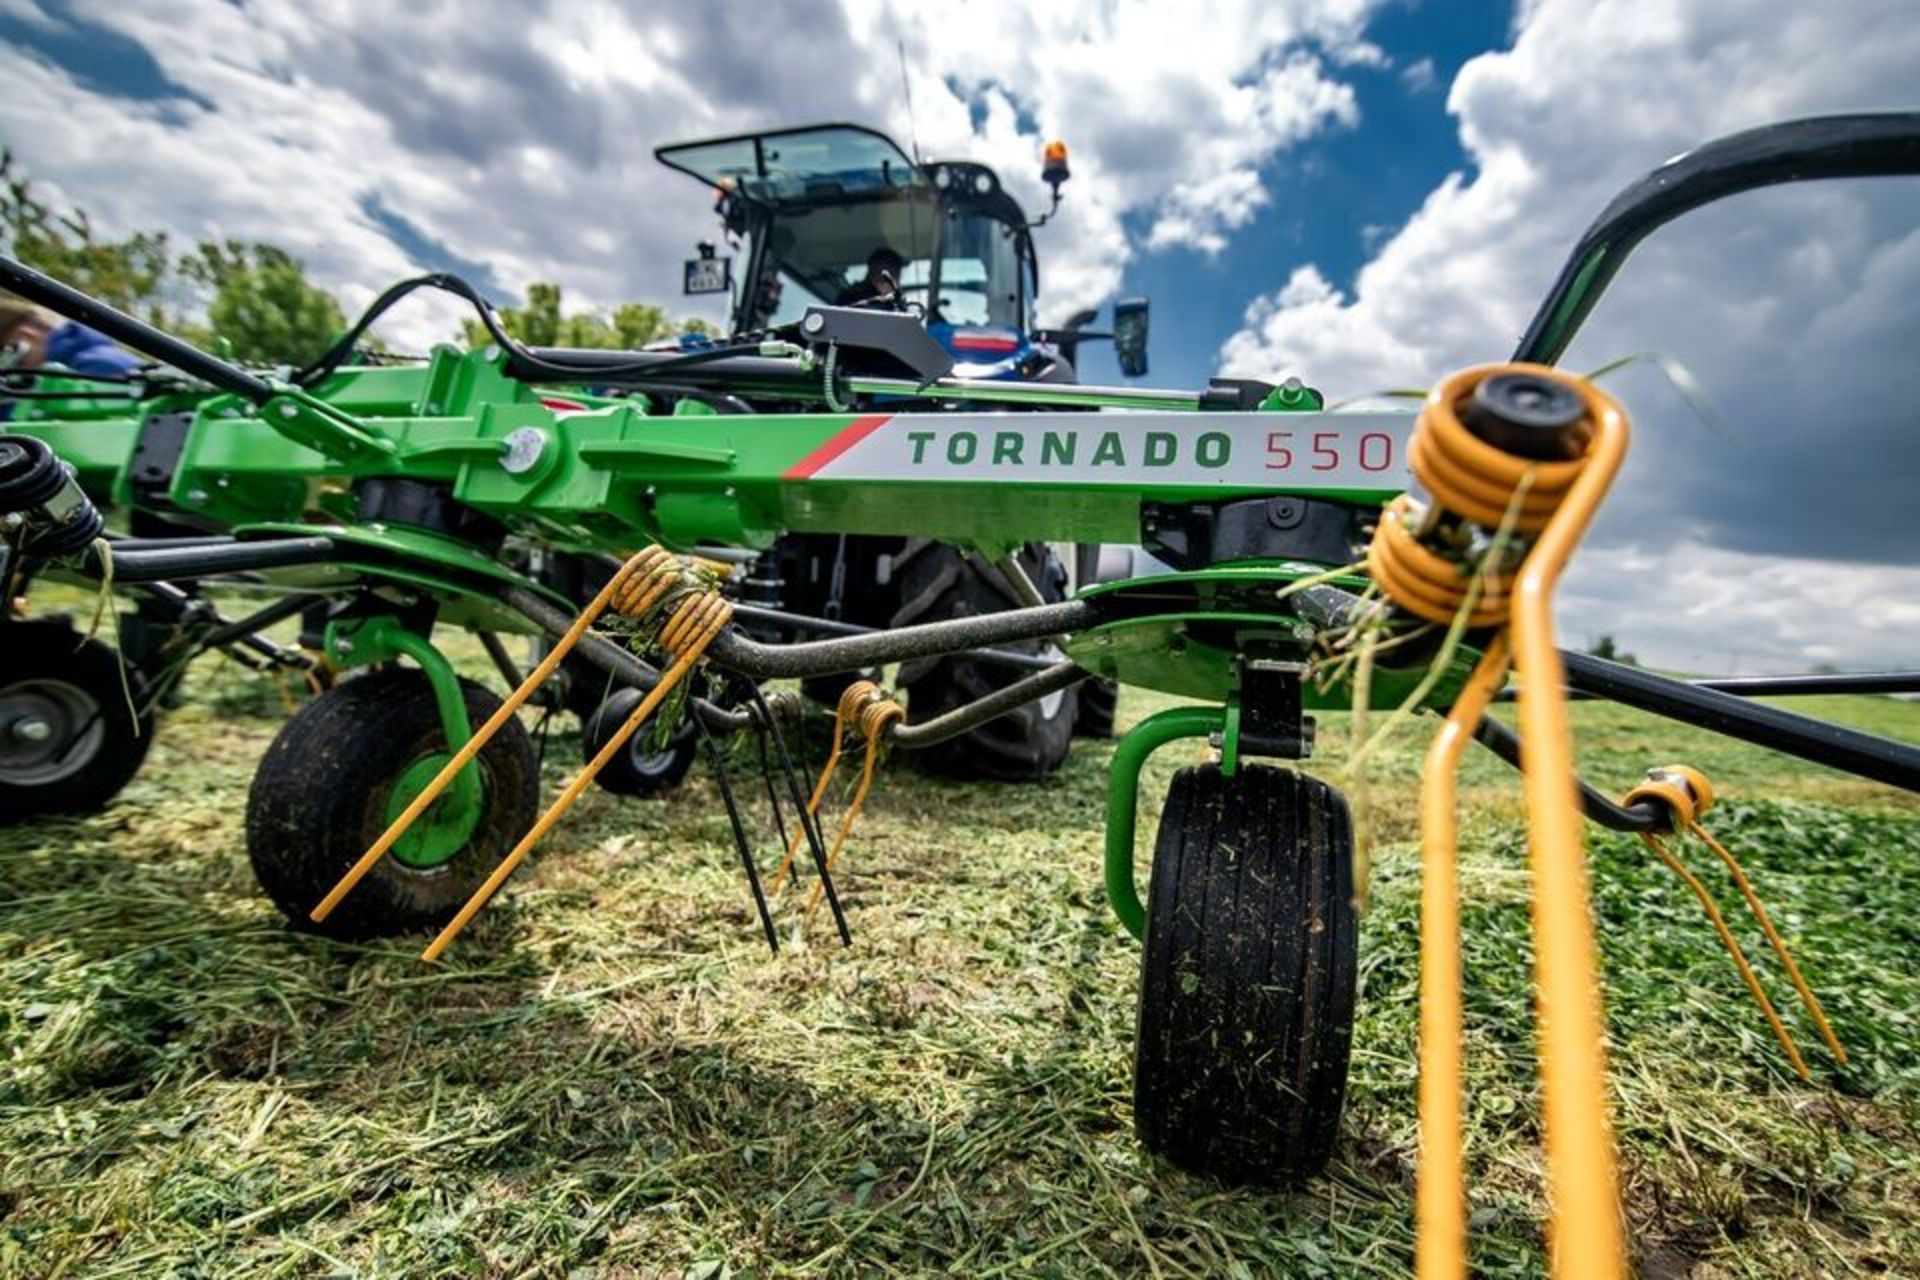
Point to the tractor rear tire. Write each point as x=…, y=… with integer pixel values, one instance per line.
x=320, y=798
x=639, y=768
x=1099, y=699
x=1247, y=976
x=68, y=741
x=937, y=582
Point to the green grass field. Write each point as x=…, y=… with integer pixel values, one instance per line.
x=610, y=1077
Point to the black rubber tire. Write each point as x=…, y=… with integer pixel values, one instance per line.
x=1247, y=976
x=319, y=799
x=937, y=582
x=53, y=676
x=1099, y=699
x=640, y=769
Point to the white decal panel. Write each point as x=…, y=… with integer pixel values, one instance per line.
x=1365, y=451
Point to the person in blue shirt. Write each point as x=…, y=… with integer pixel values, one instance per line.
x=29, y=339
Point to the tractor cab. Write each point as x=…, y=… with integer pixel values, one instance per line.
x=838, y=214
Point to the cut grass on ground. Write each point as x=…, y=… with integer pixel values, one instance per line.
x=610, y=1077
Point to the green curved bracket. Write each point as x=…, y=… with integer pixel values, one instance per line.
x=1123, y=796
x=449, y=823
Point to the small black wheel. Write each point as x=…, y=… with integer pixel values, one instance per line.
x=343, y=767
x=1247, y=976
x=640, y=768
x=68, y=742
x=938, y=582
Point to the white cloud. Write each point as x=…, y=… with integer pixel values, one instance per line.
x=1796, y=308
x=1419, y=76
x=525, y=145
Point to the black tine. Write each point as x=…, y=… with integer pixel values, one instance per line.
x=718, y=762
x=766, y=775
x=807, y=823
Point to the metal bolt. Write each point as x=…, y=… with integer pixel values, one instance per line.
x=289, y=410
x=433, y=408
x=343, y=645
x=814, y=322
x=522, y=450
x=198, y=497
x=32, y=729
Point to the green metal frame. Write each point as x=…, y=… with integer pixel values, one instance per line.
x=577, y=470
x=443, y=831
x=1123, y=799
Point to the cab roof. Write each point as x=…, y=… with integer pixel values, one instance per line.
x=803, y=165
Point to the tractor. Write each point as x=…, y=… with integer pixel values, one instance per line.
x=839, y=214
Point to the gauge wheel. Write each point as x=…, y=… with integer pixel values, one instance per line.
x=344, y=767
x=68, y=739
x=1247, y=976
x=642, y=767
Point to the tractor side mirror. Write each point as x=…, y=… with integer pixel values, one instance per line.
x=1130, y=336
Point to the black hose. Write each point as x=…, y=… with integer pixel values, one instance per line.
x=1644, y=816
x=524, y=358
x=61, y=520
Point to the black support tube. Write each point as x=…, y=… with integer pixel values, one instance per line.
x=128, y=332
x=827, y=626
x=916, y=737
x=1894, y=763
x=1803, y=686
x=827, y=657
x=1504, y=743
x=245, y=630
x=153, y=564
x=1791, y=686
x=1843, y=146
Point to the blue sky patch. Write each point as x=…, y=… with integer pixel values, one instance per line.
x=106, y=61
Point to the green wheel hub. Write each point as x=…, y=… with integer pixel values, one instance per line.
x=448, y=824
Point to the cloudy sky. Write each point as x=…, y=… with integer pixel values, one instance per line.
x=1367, y=193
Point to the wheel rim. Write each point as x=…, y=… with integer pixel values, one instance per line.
x=440, y=833
x=651, y=764
x=49, y=731
x=1051, y=704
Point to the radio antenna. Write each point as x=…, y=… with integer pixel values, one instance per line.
x=906, y=91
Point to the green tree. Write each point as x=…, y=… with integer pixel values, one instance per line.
x=1605, y=647
x=263, y=307
x=258, y=302
x=130, y=274
x=542, y=322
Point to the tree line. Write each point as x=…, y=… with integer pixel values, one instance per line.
x=252, y=302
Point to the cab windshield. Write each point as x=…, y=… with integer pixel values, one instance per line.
x=819, y=255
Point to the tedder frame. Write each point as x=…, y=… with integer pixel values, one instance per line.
x=1323, y=560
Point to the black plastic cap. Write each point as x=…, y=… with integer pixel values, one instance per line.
x=1527, y=415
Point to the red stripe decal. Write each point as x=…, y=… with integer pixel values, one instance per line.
x=857, y=430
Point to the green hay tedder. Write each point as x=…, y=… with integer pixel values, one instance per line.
x=1321, y=560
